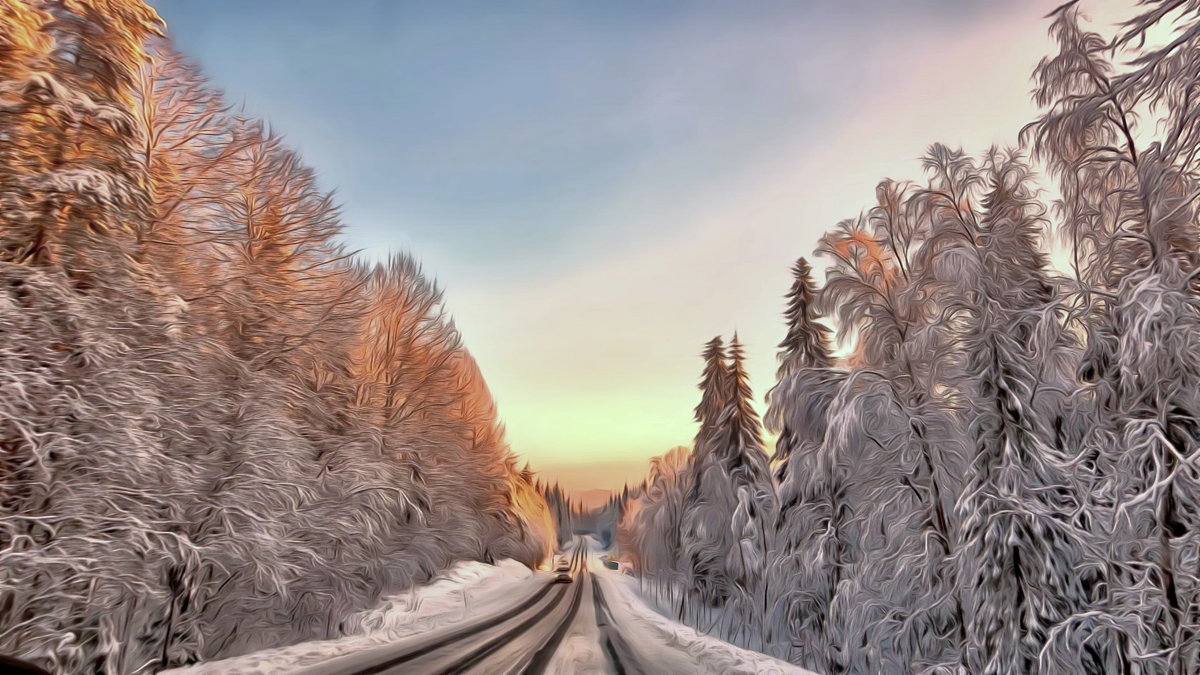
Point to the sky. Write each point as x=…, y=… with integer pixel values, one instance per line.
x=601, y=187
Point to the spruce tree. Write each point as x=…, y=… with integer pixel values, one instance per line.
x=705, y=537
x=806, y=345
x=714, y=386
x=743, y=497
x=739, y=432
x=810, y=538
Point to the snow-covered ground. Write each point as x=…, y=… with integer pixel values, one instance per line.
x=467, y=592
x=473, y=591
x=672, y=647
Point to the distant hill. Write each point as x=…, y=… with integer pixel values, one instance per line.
x=591, y=499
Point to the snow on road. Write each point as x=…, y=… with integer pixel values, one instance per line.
x=580, y=652
x=472, y=591
x=672, y=647
x=466, y=592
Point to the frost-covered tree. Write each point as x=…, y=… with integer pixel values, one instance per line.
x=1139, y=272
x=714, y=386
x=702, y=523
x=652, y=531
x=879, y=288
x=212, y=422
x=806, y=345
x=742, y=458
x=811, y=540
x=74, y=194
x=729, y=506
x=738, y=440
x=1000, y=476
x=186, y=144
x=705, y=534
x=1024, y=557
x=285, y=283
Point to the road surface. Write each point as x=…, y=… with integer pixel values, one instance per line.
x=527, y=638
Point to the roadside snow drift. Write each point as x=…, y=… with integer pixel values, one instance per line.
x=673, y=647
x=469, y=591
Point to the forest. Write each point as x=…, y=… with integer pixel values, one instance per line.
x=219, y=430
x=987, y=416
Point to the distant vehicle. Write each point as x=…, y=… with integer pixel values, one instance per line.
x=563, y=577
x=563, y=566
x=612, y=564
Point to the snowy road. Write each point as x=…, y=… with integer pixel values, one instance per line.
x=507, y=619
x=529, y=638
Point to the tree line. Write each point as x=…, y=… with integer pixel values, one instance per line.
x=564, y=510
x=999, y=474
x=219, y=430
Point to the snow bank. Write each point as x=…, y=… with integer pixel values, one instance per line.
x=674, y=647
x=468, y=591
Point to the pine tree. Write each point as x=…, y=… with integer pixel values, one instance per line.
x=806, y=345
x=739, y=443
x=812, y=544
x=729, y=473
x=714, y=386
x=702, y=539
